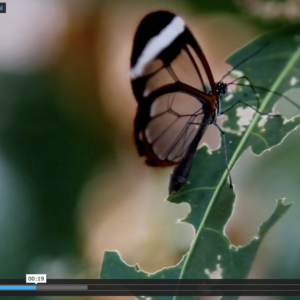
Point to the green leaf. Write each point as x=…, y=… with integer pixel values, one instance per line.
x=113, y=267
x=207, y=191
x=210, y=215
x=243, y=256
x=216, y=251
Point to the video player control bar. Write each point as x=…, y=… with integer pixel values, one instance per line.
x=38, y=285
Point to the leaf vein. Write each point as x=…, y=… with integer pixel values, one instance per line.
x=262, y=138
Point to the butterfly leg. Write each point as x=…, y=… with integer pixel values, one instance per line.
x=273, y=92
x=240, y=101
x=251, y=86
x=225, y=153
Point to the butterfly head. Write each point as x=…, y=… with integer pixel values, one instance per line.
x=221, y=88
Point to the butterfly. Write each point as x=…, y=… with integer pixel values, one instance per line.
x=176, y=93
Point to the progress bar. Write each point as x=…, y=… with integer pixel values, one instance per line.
x=150, y=287
x=17, y=287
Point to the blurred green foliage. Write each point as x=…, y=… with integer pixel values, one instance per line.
x=48, y=154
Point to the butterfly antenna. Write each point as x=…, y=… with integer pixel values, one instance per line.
x=244, y=60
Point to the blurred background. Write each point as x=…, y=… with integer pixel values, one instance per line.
x=71, y=181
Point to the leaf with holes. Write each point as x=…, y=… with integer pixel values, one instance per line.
x=275, y=67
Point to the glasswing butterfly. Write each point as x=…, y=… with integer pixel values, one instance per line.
x=176, y=94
